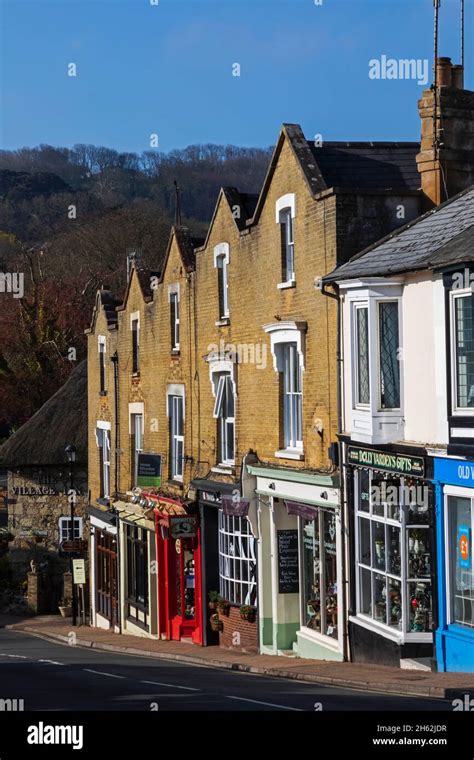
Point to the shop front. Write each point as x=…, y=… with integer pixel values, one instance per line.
x=391, y=499
x=229, y=566
x=178, y=552
x=104, y=569
x=299, y=563
x=455, y=524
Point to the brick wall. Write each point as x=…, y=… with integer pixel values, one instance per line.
x=237, y=633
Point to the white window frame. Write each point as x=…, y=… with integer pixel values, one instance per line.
x=459, y=411
x=65, y=520
x=282, y=333
x=356, y=306
x=286, y=206
x=290, y=422
x=174, y=301
x=377, y=303
x=400, y=635
x=224, y=385
x=137, y=426
x=104, y=437
x=175, y=395
x=235, y=536
x=135, y=317
x=221, y=263
x=102, y=349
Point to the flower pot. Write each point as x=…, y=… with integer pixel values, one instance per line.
x=224, y=608
x=65, y=611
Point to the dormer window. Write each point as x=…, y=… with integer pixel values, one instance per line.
x=221, y=262
x=285, y=214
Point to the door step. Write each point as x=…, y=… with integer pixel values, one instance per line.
x=422, y=663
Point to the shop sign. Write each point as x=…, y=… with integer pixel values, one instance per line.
x=183, y=527
x=211, y=496
x=288, y=565
x=149, y=470
x=383, y=460
x=235, y=507
x=464, y=547
x=79, y=571
x=456, y=472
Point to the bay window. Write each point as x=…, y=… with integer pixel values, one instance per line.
x=237, y=560
x=393, y=553
x=362, y=384
x=389, y=367
x=462, y=319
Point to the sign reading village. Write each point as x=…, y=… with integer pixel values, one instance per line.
x=383, y=460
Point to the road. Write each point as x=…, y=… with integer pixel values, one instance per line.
x=52, y=676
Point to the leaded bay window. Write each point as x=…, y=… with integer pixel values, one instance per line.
x=389, y=367
x=237, y=560
x=318, y=538
x=393, y=551
x=463, y=349
x=224, y=412
x=460, y=520
x=292, y=398
x=362, y=354
x=176, y=415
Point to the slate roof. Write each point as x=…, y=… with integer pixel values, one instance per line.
x=436, y=239
x=368, y=165
x=61, y=420
x=247, y=203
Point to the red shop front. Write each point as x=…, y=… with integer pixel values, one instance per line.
x=178, y=551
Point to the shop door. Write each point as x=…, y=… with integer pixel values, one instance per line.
x=183, y=591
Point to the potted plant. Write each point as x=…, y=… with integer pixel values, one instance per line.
x=65, y=607
x=216, y=624
x=213, y=597
x=223, y=606
x=247, y=613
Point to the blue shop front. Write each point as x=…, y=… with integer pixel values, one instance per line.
x=454, y=637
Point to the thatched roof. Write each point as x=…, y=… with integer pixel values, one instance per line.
x=60, y=421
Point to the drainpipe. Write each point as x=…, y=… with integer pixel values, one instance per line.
x=115, y=360
x=344, y=507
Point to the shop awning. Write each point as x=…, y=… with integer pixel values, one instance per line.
x=235, y=507
x=134, y=515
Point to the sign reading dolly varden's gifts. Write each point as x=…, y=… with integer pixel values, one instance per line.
x=383, y=460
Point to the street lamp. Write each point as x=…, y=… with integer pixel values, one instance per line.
x=70, y=451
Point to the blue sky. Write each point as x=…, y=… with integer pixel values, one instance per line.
x=167, y=69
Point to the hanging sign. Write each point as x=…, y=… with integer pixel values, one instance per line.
x=464, y=547
x=288, y=566
x=183, y=527
x=235, y=507
x=384, y=460
x=79, y=571
x=149, y=470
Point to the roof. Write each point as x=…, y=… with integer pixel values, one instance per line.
x=369, y=165
x=62, y=420
x=429, y=242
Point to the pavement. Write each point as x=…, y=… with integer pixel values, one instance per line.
x=357, y=676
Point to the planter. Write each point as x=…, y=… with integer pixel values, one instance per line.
x=65, y=611
x=216, y=624
x=224, y=608
x=248, y=614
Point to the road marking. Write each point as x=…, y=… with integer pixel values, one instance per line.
x=99, y=673
x=51, y=662
x=17, y=656
x=267, y=704
x=171, y=685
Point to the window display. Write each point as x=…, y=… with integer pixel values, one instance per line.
x=460, y=514
x=393, y=550
x=320, y=573
x=237, y=560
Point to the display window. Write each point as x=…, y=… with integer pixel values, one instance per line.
x=237, y=560
x=460, y=516
x=393, y=552
x=319, y=567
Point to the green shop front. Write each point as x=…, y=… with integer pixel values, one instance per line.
x=299, y=562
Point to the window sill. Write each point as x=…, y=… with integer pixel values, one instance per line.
x=175, y=482
x=136, y=375
x=286, y=285
x=290, y=454
x=223, y=322
x=175, y=352
x=224, y=469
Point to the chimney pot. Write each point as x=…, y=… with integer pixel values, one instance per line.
x=443, y=72
x=457, y=76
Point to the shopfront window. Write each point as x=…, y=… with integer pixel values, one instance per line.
x=137, y=567
x=237, y=560
x=393, y=549
x=461, y=576
x=320, y=573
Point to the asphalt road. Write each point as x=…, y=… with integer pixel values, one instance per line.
x=53, y=676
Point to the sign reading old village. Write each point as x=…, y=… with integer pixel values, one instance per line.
x=383, y=460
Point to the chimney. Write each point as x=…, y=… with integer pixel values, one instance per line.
x=446, y=157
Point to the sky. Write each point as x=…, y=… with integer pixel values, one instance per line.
x=167, y=68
